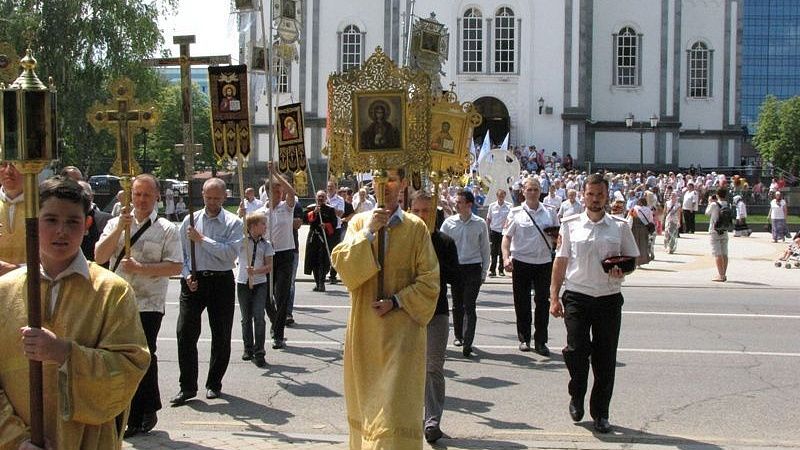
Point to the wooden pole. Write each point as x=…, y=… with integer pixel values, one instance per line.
x=379, y=183
x=35, y=377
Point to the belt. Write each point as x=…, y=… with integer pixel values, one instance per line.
x=470, y=265
x=213, y=273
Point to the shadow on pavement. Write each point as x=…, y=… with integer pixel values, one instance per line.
x=628, y=435
x=244, y=411
x=308, y=390
x=477, y=408
x=476, y=444
x=145, y=441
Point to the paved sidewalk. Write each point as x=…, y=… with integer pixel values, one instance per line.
x=692, y=266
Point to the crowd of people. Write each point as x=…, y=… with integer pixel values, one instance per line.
x=553, y=227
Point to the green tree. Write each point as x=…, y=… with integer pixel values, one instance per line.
x=161, y=143
x=83, y=44
x=777, y=136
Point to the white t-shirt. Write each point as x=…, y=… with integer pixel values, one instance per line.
x=776, y=209
x=279, y=225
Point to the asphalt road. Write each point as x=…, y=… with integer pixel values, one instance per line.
x=698, y=366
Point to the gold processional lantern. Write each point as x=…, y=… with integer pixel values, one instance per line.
x=28, y=140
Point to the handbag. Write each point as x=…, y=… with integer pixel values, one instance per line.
x=651, y=227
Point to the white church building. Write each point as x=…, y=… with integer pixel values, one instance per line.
x=560, y=74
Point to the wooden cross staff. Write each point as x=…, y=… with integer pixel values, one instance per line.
x=186, y=61
x=124, y=117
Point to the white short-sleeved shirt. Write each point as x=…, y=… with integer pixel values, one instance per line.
x=158, y=243
x=497, y=215
x=586, y=244
x=337, y=203
x=690, y=201
x=247, y=256
x=776, y=209
x=554, y=201
x=568, y=208
x=280, y=228
x=527, y=244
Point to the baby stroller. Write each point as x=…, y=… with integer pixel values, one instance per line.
x=791, y=256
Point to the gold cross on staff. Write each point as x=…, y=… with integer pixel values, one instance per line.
x=124, y=117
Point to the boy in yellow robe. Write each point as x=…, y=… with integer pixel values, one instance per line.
x=384, y=351
x=91, y=342
x=12, y=218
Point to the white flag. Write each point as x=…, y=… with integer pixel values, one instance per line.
x=505, y=143
x=485, y=148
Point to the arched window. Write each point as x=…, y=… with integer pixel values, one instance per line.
x=472, y=41
x=505, y=36
x=351, y=48
x=281, y=76
x=627, y=48
x=699, y=71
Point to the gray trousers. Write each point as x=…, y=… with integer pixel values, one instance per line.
x=438, y=332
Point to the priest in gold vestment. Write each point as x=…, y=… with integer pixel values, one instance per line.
x=385, y=343
x=12, y=218
x=91, y=342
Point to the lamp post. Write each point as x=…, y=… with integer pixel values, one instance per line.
x=629, y=122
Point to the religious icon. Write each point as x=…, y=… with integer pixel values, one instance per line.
x=291, y=145
x=443, y=140
x=259, y=59
x=229, y=102
x=379, y=120
x=430, y=43
x=288, y=10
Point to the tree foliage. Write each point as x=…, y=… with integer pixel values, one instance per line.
x=777, y=136
x=160, y=145
x=83, y=45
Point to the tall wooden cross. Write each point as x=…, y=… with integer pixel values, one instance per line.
x=186, y=61
x=123, y=117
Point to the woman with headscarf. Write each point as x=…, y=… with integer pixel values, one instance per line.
x=639, y=218
x=672, y=221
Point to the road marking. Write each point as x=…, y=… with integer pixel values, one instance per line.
x=642, y=313
x=335, y=343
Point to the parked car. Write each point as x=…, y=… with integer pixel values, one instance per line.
x=179, y=187
x=105, y=189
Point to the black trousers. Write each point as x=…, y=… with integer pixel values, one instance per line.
x=465, y=295
x=338, y=234
x=600, y=318
x=536, y=276
x=495, y=241
x=147, y=398
x=278, y=301
x=217, y=294
x=688, y=221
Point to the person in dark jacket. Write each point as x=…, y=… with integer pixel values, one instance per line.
x=321, y=219
x=422, y=205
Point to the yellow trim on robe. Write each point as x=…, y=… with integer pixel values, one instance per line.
x=384, y=357
x=12, y=236
x=86, y=400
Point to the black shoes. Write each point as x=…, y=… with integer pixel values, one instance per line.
x=576, y=410
x=501, y=273
x=289, y=320
x=149, y=421
x=541, y=349
x=131, y=430
x=320, y=287
x=601, y=425
x=432, y=434
x=211, y=394
x=247, y=356
x=279, y=344
x=181, y=397
x=466, y=351
x=333, y=280
x=260, y=362
x=492, y=274
x=524, y=347
x=457, y=342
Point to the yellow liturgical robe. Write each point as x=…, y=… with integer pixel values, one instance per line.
x=12, y=232
x=384, y=357
x=86, y=399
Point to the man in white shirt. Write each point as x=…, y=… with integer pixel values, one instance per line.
x=689, y=207
x=250, y=203
x=571, y=206
x=496, y=219
x=552, y=199
x=472, y=241
x=155, y=256
x=337, y=202
x=528, y=252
